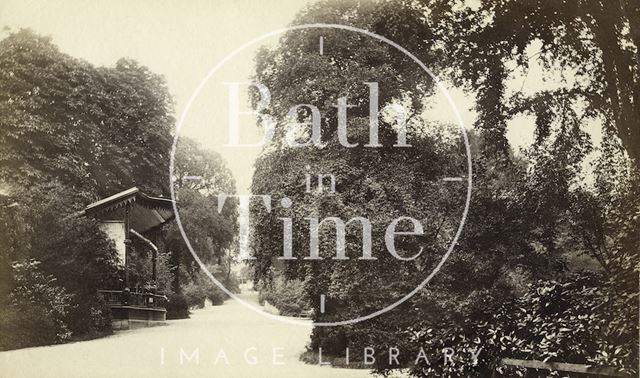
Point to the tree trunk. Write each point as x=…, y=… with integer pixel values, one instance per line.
x=620, y=88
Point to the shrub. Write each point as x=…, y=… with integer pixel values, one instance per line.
x=231, y=283
x=202, y=288
x=286, y=295
x=217, y=296
x=177, y=306
x=90, y=317
x=195, y=295
x=583, y=320
x=36, y=311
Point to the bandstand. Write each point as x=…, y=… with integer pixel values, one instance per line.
x=123, y=216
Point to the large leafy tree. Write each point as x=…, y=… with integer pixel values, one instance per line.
x=592, y=44
x=526, y=212
x=97, y=130
x=200, y=177
x=71, y=133
x=364, y=176
x=385, y=183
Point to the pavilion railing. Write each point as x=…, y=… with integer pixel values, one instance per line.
x=139, y=298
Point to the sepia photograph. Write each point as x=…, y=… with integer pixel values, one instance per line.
x=319, y=188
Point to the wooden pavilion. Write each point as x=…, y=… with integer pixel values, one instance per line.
x=124, y=215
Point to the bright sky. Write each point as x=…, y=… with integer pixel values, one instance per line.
x=183, y=41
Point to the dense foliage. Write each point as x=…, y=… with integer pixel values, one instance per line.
x=95, y=129
x=70, y=134
x=202, y=288
x=37, y=309
x=73, y=255
x=287, y=296
x=212, y=233
x=590, y=46
x=549, y=250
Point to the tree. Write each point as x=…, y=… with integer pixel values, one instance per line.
x=594, y=42
x=96, y=130
x=521, y=225
x=71, y=133
x=212, y=233
x=382, y=184
x=606, y=220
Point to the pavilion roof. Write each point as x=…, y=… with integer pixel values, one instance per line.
x=146, y=212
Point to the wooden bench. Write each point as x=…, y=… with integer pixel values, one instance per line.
x=564, y=366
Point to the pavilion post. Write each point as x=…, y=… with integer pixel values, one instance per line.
x=154, y=260
x=127, y=243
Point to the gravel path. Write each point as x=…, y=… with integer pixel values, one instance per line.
x=230, y=331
